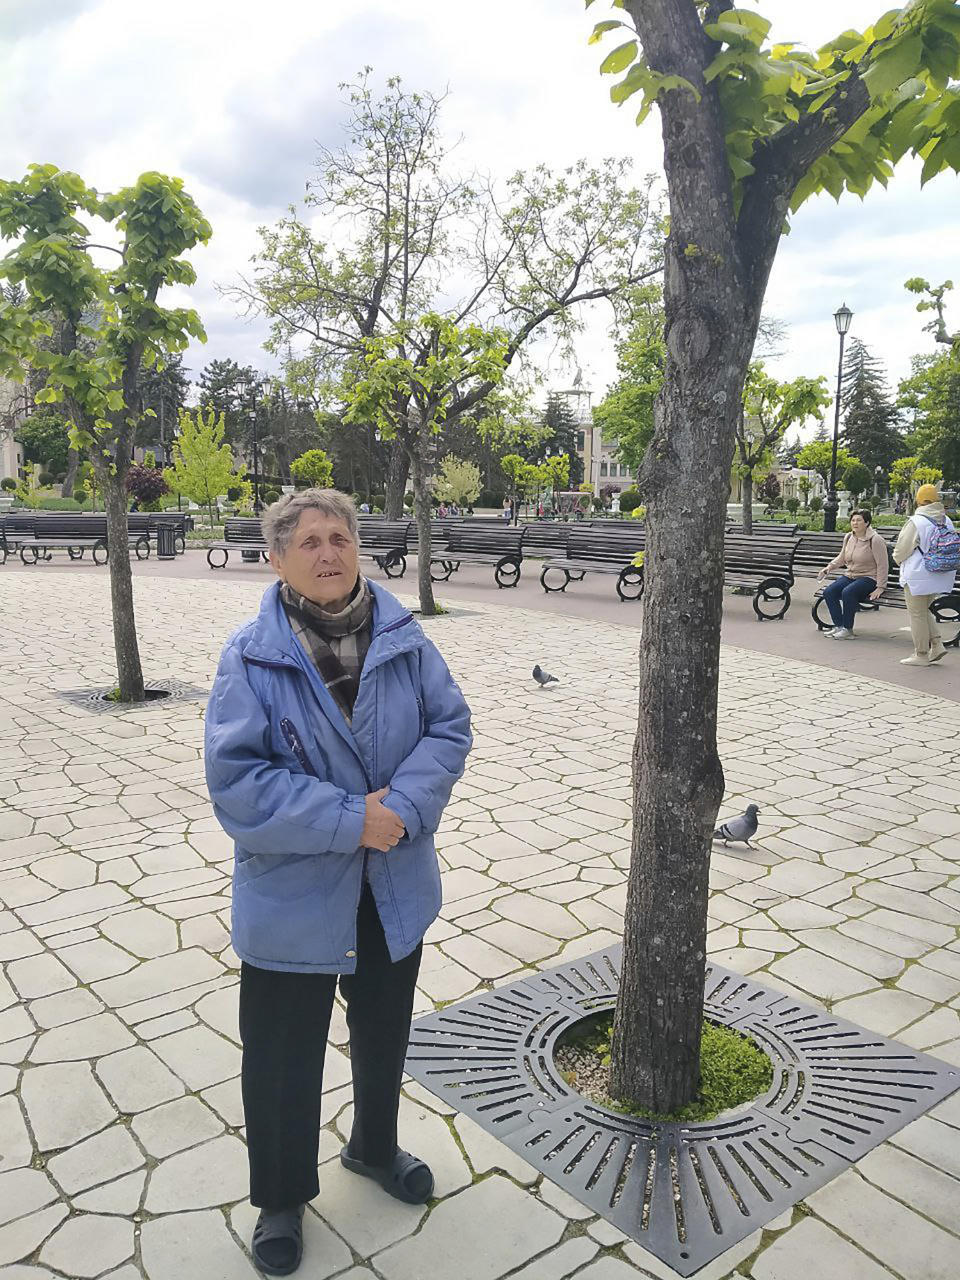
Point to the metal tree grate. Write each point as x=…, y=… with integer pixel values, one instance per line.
x=163, y=691
x=686, y=1192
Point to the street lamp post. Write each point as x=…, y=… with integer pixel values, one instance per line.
x=842, y=318
x=257, y=504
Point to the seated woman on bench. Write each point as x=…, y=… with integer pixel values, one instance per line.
x=864, y=564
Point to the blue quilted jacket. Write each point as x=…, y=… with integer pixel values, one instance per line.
x=288, y=777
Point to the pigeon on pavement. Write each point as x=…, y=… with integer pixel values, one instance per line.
x=741, y=828
x=542, y=677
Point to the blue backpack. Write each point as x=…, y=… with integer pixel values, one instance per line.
x=943, y=553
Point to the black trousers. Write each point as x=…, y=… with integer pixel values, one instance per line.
x=284, y=1023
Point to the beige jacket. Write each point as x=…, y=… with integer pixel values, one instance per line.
x=909, y=538
x=863, y=558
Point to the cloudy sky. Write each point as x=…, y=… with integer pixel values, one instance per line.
x=234, y=95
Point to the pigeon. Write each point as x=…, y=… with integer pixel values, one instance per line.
x=741, y=828
x=543, y=678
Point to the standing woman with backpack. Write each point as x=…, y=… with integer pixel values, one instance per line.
x=928, y=553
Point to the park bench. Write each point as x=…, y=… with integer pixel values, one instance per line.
x=945, y=608
x=148, y=522
x=545, y=537
x=766, y=526
x=74, y=534
x=243, y=534
x=502, y=548
x=590, y=550
x=386, y=542
x=814, y=550
x=761, y=564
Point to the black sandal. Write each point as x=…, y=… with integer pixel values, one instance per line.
x=278, y=1241
x=395, y=1177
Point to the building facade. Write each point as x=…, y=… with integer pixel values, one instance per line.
x=601, y=466
x=12, y=413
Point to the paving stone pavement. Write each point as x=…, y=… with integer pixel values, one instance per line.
x=121, y=1128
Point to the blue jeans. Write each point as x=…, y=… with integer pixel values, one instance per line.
x=843, y=598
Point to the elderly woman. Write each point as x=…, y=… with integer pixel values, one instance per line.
x=334, y=736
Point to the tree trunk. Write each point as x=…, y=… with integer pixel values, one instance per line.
x=711, y=321
x=69, y=480
x=398, y=470
x=746, y=497
x=129, y=670
x=421, y=504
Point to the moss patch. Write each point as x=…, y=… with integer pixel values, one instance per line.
x=733, y=1069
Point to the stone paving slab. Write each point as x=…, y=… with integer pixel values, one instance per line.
x=119, y=1048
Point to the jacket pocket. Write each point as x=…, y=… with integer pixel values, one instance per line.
x=281, y=876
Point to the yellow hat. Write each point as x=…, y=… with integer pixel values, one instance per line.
x=927, y=493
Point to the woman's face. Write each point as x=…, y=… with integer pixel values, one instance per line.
x=322, y=560
x=858, y=525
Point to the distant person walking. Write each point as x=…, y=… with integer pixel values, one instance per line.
x=928, y=553
x=864, y=564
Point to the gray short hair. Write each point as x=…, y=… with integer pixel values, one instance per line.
x=282, y=517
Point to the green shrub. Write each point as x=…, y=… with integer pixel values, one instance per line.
x=8, y=484
x=629, y=500
x=793, y=505
x=234, y=493
x=271, y=495
x=80, y=495
x=58, y=504
x=816, y=503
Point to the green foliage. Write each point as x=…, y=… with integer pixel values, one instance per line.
x=733, y=1069
x=556, y=471
x=458, y=482
x=816, y=456
x=857, y=479
x=870, y=418
x=8, y=484
x=898, y=72
x=271, y=495
x=908, y=474
x=932, y=394
x=410, y=377
x=770, y=409
x=313, y=468
x=114, y=311
x=45, y=438
x=626, y=412
x=816, y=503
x=202, y=464
x=629, y=501
x=934, y=301
x=793, y=505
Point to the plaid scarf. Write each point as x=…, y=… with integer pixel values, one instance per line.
x=336, y=643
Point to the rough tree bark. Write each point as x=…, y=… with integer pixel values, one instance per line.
x=129, y=670
x=712, y=309
x=398, y=472
x=421, y=502
x=746, y=497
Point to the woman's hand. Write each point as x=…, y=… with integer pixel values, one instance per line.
x=382, y=828
x=822, y=574
x=875, y=595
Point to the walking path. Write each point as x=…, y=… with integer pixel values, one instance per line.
x=121, y=1139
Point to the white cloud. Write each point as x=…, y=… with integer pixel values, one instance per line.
x=234, y=96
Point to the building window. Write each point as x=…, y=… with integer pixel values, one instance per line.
x=579, y=439
x=603, y=468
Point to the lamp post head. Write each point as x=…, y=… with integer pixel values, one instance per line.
x=842, y=317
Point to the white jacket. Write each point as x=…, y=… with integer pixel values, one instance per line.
x=918, y=537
